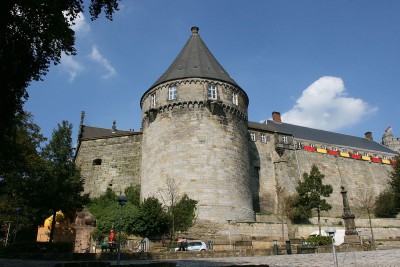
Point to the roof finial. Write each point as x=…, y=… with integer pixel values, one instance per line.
x=195, y=30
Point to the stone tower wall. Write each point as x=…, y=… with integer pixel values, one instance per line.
x=287, y=170
x=202, y=146
x=120, y=163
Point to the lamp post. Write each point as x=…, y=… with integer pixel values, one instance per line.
x=18, y=211
x=122, y=201
x=331, y=232
x=229, y=234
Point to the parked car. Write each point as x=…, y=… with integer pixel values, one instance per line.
x=196, y=245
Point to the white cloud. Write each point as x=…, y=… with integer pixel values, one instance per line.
x=79, y=25
x=96, y=56
x=325, y=105
x=71, y=66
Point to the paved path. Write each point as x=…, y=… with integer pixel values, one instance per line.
x=378, y=258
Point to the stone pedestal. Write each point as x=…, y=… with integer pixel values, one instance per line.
x=351, y=235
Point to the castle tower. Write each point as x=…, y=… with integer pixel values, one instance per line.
x=194, y=121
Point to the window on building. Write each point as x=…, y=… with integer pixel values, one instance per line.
x=212, y=91
x=299, y=145
x=324, y=147
x=356, y=153
x=384, y=157
x=96, y=162
x=334, y=149
x=285, y=139
x=253, y=136
x=153, y=100
x=263, y=138
x=345, y=150
x=366, y=154
x=312, y=145
x=235, y=98
x=172, y=92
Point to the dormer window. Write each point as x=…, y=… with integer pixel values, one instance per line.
x=172, y=92
x=212, y=91
x=235, y=98
x=153, y=100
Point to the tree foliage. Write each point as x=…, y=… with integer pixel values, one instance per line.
x=60, y=177
x=34, y=34
x=311, y=194
x=385, y=205
x=394, y=183
x=19, y=162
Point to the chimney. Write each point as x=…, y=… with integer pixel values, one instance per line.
x=368, y=135
x=276, y=117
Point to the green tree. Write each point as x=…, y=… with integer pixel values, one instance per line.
x=385, y=205
x=34, y=34
x=310, y=193
x=185, y=212
x=394, y=183
x=152, y=219
x=61, y=181
x=19, y=162
x=106, y=210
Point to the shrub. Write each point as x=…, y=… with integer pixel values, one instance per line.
x=319, y=240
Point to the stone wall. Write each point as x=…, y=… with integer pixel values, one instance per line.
x=203, y=147
x=120, y=163
x=287, y=170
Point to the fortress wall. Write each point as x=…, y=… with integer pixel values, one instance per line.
x=287, y=170
x=204, y=149
x=120, y=166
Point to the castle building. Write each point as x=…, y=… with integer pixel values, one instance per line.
x=196, y=137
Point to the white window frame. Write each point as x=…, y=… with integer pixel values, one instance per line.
x=285, y=139
x=212, y=91
x=172, y=92
x=253, y=137
x=153, y=100
x=263, y=138
x=235, y=98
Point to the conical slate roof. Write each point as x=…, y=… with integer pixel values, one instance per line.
x=195, y=61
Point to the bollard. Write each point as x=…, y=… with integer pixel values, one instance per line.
x=288, y=247
x=275, y=247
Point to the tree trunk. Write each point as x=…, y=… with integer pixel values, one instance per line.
x=372, y=231
x=319, y=221
x=53, y=226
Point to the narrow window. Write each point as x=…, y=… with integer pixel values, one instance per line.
x=96, y=162
x=253, y=137
x=324, y=147
x=212, y=91
x=285, y=139
x=312, y=145
x=172, y=92
x=263, y=138
x=235, y=99
x=334, y=149
x=153, y=100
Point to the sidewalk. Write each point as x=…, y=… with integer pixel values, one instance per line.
x=378, y=258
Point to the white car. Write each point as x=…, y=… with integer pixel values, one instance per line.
x=195, y=246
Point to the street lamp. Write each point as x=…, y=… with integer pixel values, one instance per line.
x=18, y=211
x=331, y=232
x=122, y=201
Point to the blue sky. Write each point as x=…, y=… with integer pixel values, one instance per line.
x=332, y=65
